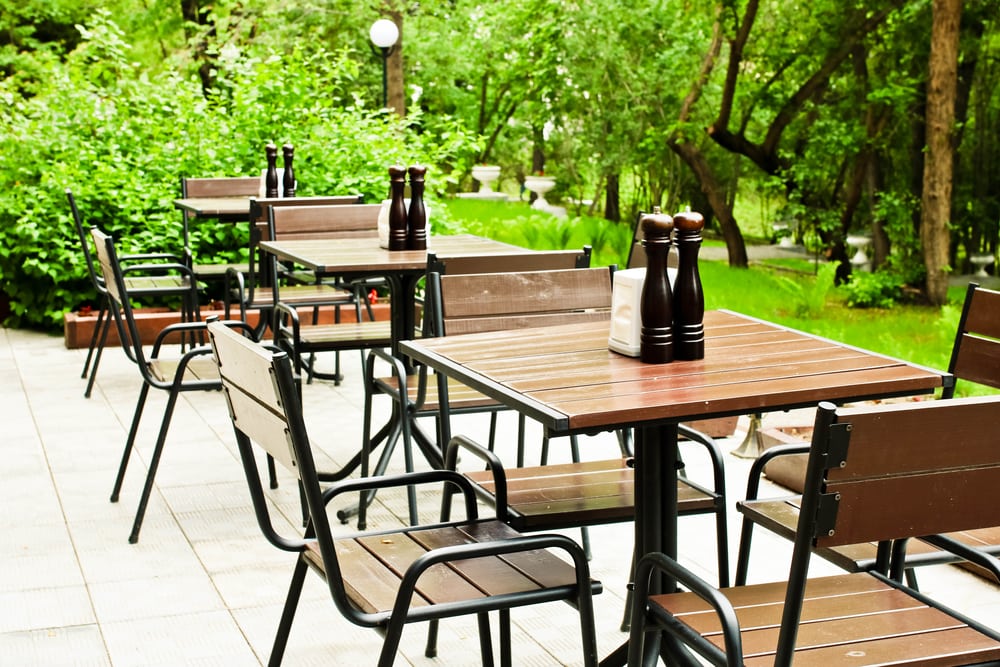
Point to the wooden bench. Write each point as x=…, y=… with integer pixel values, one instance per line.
x=386, y=579
x=875, y=474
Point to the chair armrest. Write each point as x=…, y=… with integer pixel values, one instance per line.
x=733, y=654
x=520, y=544
x=713, y=450
x=964, y=551
x=181, y=327
x=757, y=469
x=148, y=268
x=461, y=442
x=408, y=479
x=147, y=256
x=400, y=393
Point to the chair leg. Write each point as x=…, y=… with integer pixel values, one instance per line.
x=288, y=613
x=722, y=544
x=105, y=327
x=743, y=553
x=129, y=443
x=505, y=638
x=154, y=463
x=486, y=638
x=95, y=335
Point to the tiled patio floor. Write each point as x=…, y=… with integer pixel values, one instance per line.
x=202, y=586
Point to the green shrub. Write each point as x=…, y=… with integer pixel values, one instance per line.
x=872, y=290
x=122, y=140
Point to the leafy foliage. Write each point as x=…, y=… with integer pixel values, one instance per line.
x=881, y=289
x=121, y=138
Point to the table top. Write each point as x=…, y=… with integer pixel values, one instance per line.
x=359, y=255
x=566, y=377
x=215, y=207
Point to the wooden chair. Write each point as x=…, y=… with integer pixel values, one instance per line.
x=420, y=388
x=875, y=474
x=975, y=357
x=193, y=371
x=576, y=494
x=226, y=186
x=253, y=290
x=148, y=275
x=387, y=579
x=303, y=341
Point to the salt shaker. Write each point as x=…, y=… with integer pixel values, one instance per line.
x=656, y=305
x=689, y=299
x=288, y=178
x=271, y=175
x=397, y=208
x=416, y=219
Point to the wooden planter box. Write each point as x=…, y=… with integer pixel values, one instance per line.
x=720, y=427
x=78, y=329
x=788, y=471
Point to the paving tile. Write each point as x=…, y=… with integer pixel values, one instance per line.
x=74, y=645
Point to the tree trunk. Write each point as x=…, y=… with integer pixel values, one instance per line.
x=612, y=201
x=937, y=184
x=716, y=195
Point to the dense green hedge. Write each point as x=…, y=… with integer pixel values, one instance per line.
x=122, y=141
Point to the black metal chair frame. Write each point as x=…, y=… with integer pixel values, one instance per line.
x=275, y=423
x=193, y=371
x=150, y=266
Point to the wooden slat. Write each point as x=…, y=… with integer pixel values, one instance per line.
x=226, y=186
x=984, y=313
x=978, y=361
x=923, y=426
x=542, y=567
x=512, y=262
x=351, y=335
x=439, y=584
x=915, y=505
x=313, y=222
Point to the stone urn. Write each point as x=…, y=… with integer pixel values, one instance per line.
x=486, y=174
x=540, y=185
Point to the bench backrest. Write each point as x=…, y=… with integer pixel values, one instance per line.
x=497, y=301
x=976, y=353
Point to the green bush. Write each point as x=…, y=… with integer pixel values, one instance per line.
x=872, y=290
x=122, y=140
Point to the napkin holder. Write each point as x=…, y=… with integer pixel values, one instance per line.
x=626, y=310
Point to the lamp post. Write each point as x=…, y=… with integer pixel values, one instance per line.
x=384, y=34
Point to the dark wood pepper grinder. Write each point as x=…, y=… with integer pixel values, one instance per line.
x=271, y=175
x=397, y=208
x=416, y=219
x=689, y=299
x=656, y=304
x=288, y=178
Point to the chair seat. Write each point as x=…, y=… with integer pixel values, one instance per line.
x=302, y=295
x=218, y=271
x=345, y=335
x=781, y=516
x=572, y=494
x=460, y=397
x=851, y=619
x=199, y=369
x=140, y=285
x=372, y=565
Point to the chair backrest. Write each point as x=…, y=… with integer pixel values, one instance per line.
x=890, y=472
x=519, y=260
x=975, y=356
x=637, y=254
x=120, y=306
x=495, y=301
x=260, y=211
x=95, y=275
x=226, y=186
x=266, y=412
x=313, y=222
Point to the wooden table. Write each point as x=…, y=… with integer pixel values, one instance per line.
x=566, y=378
